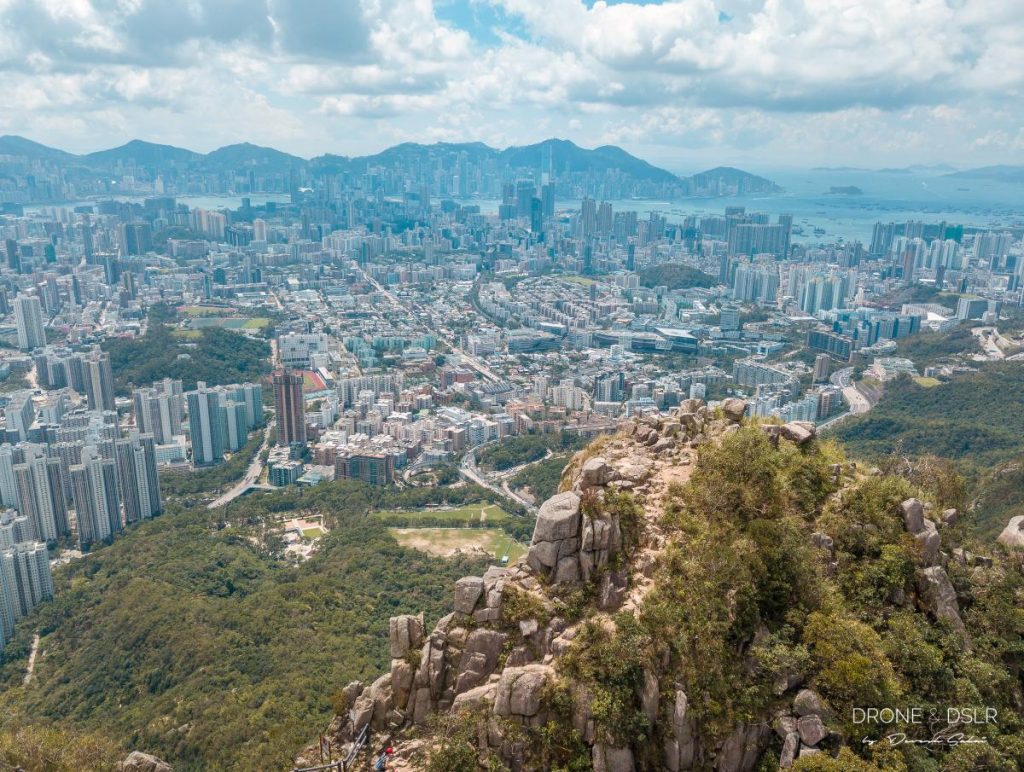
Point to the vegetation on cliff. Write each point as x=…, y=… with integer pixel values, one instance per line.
x=975, y=420
x=787, y=584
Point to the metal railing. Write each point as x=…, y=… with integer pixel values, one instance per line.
x=343, y=764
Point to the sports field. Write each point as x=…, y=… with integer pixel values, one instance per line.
x=446, y=542
x=470, y=513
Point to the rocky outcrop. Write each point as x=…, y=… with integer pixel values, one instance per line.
x=568, y=544
x=938, y=597
x=924, y=531
x=136, y=761
x=497, y=659
x=799, y=432
x=1013, y=535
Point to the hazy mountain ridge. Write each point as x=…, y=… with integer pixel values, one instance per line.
x=1001, y=173
x=563, y=155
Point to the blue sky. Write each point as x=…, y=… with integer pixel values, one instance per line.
x=686, y=84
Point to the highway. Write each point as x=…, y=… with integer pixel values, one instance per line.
x=469, y=470
x=252, y=475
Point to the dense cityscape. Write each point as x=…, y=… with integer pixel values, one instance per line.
x=429, y=315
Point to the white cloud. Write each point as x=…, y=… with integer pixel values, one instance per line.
x=792, y=79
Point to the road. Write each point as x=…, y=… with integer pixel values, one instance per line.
x=468, y=469
x=992, y=342
x=252, y=475
x=411, y=309
x=854, y=397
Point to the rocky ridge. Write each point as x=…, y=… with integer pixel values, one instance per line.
x=498, y=652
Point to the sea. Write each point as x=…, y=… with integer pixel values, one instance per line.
x=819, y=217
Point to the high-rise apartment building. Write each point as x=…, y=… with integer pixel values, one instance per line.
x=206, y=424
x=97, y=509
x=160, y=410
x=28, y=317
x=25, y=582
x=291, y=408
x=41, y=493
x=98, y=379
x=137, y=475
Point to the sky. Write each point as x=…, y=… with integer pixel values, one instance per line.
x=686, y=84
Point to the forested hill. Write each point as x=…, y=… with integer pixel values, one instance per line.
x=975, y=420
x=190, y=637
x=216, y=356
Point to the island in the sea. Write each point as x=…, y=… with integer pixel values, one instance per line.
x=844, y=190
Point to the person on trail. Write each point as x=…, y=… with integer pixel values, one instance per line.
x=382, y=760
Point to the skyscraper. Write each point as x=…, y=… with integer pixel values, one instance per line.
x=94, y=482
x=291, y=408
x=159, y=410
x=41, y=494
x=821, y=368
x=28, y=316
x=99, y=380
x=25, y=582
x=206, y=423
x=137, y=475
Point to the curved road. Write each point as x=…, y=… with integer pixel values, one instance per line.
x=252, y=474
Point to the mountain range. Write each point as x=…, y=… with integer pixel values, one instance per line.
x=563, y=155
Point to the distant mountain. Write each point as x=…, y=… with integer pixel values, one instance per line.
x=727, y=181
x=142, y=154
x=995, y=173
x=11, y=144
x=568, y=154
x=563, y=155
x=246, y=154
x=557, y=154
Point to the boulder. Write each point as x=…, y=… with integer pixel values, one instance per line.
x=913, y=515
x=784, y=724
x=558, y=518
x=543, y=555
x=519, y=690
x=790, y=747
x=405, y=634
x=137, y=761
x=799, y=432
x=811, y=729
x=822, y=541
x=402, y=676
x=937, y=595
x=742, y=749
x=607, y=759
x=467, y=592
x=1013, y=535
x=479, y=658
x=476, y=698
x=680, y=747
x=691, y=405
x=950, y=516
x=809, y=703
x=567, y=571
x=734, y=409
x=929, y=541
x=596, y=472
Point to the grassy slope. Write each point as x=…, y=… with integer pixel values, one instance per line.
x=975, y=420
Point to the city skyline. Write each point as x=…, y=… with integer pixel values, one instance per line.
x=683, y=85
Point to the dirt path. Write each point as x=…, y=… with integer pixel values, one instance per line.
x=32, y=658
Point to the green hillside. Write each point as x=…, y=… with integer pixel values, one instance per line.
x=190, y=638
